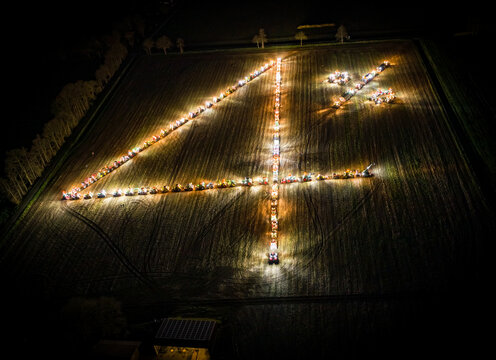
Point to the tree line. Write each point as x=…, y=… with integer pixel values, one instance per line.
x=22, y=165
x=164, y=43
x=261, y=37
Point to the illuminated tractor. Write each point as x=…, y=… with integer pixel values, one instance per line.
x=117, y=193
x=368, y=77
x=66, y=196
x=247, y=181
x=289, y=179
x=390, y=98
x=273, y=258
x=348, y=174
x=339, y=78
x=231, y=183
x=222, y=184
x=189, y=187
x=306, y=177
x=321, y=177
x=210, y=185
x=75, y=196
x=263, y=181
x=177, y=188
x=129, y=192
x=143, y=191
x=165, y=189
x=366, y=172
x=153, y=190
x=200, y=186
x=102, y=194
x=383, y=66
x=88, y=195
x=381, y=96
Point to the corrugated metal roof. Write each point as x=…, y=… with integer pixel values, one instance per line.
x=186, y=329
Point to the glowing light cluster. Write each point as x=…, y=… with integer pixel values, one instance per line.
x=276, y=160
x=380, y=96
x=74, y=193
x=348, y=174
x=145, y=190
x=339, y=78
x=349, y=93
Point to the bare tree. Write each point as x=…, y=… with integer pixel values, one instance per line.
x=103, y=75
x=13, y=175
x=300, y=35
x=341, y=34
x=256, y=39
x=11, y=190
x=53, y=132
x=42, y=150
x=180, y=44
x=163, y=43
x=147, y=45
x=17, y=158
x=263, y=37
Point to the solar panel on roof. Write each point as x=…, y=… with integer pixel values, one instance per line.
x=186, y=329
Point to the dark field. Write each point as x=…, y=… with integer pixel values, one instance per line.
x=361, y=259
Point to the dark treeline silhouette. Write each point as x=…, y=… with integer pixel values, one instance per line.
x=24, y=165
x=163, y=43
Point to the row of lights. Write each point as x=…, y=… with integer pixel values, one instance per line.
x=380, y=96
x=145, y=190
x=276, y=160
x=247, y=181
x=163, y=133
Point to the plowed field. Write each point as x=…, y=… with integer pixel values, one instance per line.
x=413, y=228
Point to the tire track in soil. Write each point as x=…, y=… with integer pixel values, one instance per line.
x=354, y=210
x=307, y=196
x=114, y=248
x=207, y=228
x=326, y=237
x=129, y=213
x=149, y=244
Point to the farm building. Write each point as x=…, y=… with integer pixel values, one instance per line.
x=181, y=338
